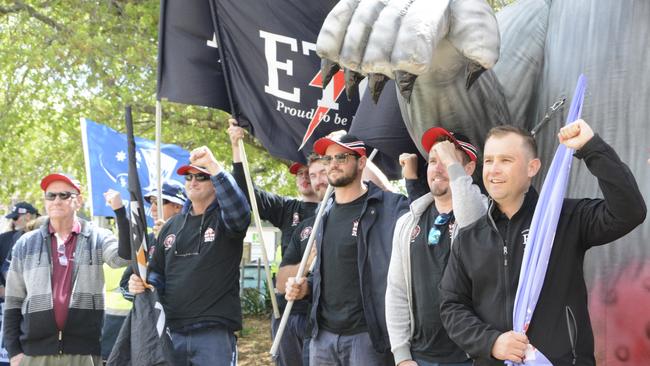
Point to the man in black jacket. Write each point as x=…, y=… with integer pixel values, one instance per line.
x=480, y=282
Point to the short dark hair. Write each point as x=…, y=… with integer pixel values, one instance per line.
x=529, y=140
x=312, y=158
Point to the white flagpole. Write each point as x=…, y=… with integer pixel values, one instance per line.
x=158, y=165
x=258, y=225
x=301, y=270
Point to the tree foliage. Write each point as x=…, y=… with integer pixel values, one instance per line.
x=62, y=60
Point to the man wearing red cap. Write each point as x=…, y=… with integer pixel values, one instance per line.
x=421, y=247
x=285, y=213
x=55, y=288
x=195, y=265
x=348, y=284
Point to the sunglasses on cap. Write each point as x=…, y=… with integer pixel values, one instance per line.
x=435, y=232
x=200, y=177
x=51, y=196
x=341, y=158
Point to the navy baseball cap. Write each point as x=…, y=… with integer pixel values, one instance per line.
x=21, y=208
x=172, y=191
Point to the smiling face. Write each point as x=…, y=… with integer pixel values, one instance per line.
x=437, y=177
x=199, y=191
x=508, y=168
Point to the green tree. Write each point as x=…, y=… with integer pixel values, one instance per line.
x=62, y=60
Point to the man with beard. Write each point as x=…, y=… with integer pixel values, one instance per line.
x=421, y=247
x=353, y=243
x=480, y=282
x=285, y=213
x=296, y=330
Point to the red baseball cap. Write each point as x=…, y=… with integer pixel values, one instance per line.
x=186, y=168
x=346, y=141
x=45, y=182
x=293, y=169
x=431, y=136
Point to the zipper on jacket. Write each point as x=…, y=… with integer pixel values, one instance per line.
x=505, y=254
x=573, y=332
x=60, y=342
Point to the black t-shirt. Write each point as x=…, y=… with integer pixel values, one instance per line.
x=430, y=341
x=292, y=256
x=340, y=309
x=199, y=261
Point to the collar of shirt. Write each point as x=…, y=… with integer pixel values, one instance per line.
x=76, y=229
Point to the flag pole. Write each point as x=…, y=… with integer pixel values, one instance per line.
x=303, y=263
x=258, y=225
x=301, y=269
x=159, y=206
x=242, y=152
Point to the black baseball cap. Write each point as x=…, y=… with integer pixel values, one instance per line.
x=21, y=208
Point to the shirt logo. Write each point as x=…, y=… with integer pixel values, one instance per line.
x=169, y=241
x=524, y=236
x=355, y=225
x=209, y=235
x=415, y=232
x=304, y=234
x=296, y=219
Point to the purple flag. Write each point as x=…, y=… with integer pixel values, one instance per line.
x=542, y=232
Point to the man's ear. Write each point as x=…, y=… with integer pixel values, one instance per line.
x=470, y=168
x=362, y=163
x=533, y=167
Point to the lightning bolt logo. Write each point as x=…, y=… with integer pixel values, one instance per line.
x=338, y=83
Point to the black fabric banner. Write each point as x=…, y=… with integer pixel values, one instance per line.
x=189, y=70
x=381, y=126
x=273, y=68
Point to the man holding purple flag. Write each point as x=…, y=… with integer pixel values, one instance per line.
x=480, y=281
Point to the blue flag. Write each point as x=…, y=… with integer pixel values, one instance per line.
x=542, y=232
x=107, y=166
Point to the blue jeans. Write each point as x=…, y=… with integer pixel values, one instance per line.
x=426, y=363
x=291, y=345
x=214, y=346
x=329, y=349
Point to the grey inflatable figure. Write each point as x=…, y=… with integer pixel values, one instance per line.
x=460, y=66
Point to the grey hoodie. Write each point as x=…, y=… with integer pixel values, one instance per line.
x=469, y=204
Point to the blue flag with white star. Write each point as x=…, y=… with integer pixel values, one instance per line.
x=107, y=165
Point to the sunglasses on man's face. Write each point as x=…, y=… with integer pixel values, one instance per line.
x=154, y=201
x=200, y=177
x=341, y=158
x=51, y=196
